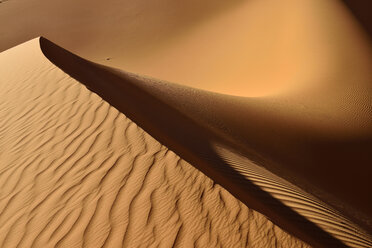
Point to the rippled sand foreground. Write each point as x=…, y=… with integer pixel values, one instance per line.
x=185, y=123
x=76, y=172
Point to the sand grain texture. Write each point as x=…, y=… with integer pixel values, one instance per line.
x=75, y=172
x=294, y=107
x=224, y=146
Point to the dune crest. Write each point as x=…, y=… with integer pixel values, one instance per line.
x=270, y=99
x=210, y=140
x=75, y=172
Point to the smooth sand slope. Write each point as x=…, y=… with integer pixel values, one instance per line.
x=289, y=139
x=239, y=47
x=75, y=172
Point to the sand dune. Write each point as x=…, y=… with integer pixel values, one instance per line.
x=76, y=172
x=80, y=173
x=279, y=115
x=208, y=141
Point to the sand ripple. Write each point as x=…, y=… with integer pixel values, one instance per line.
x=75, y=172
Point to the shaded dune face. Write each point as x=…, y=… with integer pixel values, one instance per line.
x=208, y=141
x=361, y=9
x=76, y=172
x=302, y=69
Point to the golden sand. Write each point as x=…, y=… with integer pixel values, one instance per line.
x=269, y=110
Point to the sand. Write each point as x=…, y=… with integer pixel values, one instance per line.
x=227, y=149
x=269, y=109
x=75, y=172
x=238, y=47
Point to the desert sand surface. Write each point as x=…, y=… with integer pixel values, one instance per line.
x=225, y=147
x=76, y=172
x=269, y=109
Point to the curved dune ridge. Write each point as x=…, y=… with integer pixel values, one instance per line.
x=75, y=172
x=302, y=70
x=208, y=141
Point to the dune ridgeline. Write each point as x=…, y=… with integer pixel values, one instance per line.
x=239, y=124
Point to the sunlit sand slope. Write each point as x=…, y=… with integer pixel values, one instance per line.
x=227, y=138
x=75, y=172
